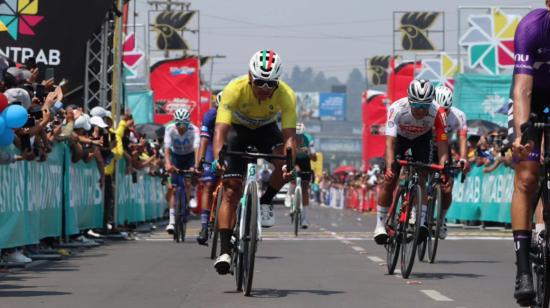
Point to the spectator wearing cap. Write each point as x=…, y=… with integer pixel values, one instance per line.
x=88, y=147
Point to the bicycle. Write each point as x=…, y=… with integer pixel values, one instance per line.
x=248, y=231
x=403, y=237
x=182, y=208
x=540, y=250
x=297, y=207
x=213, y=225
x=434, y=220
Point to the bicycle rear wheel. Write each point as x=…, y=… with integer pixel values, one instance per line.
x=394, y=230
x=251, y=237
x=541, y=273
x=435, y=222
x=215, y=230
x=411, y=233
x=297, y=209
x=177, y=226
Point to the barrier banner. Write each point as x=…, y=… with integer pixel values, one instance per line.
x=483, y=196
x=83, y=196
x=30, y=200
x=141, y=201
x=175, y=84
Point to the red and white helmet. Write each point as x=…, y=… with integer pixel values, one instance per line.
x=265, y=64
x=444, y=97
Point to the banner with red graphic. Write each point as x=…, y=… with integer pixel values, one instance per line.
x=399, y=79
x=175, y=84
x=374, y=121
x=54, y=33
x=206, y=97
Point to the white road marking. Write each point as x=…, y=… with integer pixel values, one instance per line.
x=436, y=296
x=334, y=225
x=375, y=259
x=357, y=248
x=346, y=242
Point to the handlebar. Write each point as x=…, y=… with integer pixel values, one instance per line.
x=528, y=127
x=248, y=155
x=434, y=167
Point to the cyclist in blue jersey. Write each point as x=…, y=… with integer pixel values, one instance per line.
x=530, y=95
x=209, y=179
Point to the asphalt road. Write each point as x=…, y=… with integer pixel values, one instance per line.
x=333, y=264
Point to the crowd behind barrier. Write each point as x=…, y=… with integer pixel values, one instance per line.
x=60, y=164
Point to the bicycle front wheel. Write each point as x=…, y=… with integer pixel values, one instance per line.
x=251, y=237
x=394, y=230
x=215, y=230
x=411, y=232
x=435, y=222
x=297, y=209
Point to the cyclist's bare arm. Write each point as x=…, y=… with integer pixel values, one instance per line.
x=289, y=137
x=443, y=152
x=390, y=151
x=523, y=90
x=220, y=133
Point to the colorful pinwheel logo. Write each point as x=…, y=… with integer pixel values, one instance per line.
x=19, y=17
x=441, y=69
x=131, y=57
x=490, y=40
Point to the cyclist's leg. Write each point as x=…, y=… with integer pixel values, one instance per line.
x=232, y=183
x=269, y=138
x=171, y=193
x=209, y=185
x=385, y=197
x=525, y=184
x=421, y=151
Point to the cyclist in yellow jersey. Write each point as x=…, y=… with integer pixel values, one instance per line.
x=247, y=116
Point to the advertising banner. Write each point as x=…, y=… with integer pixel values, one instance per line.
x=53, y=32
x=134, y=56
x=206, y=99
x=332, y=106
x=175, y=84
x=307, y=105
x=374, y=121
x=30, y=200
x=482, y=96
x=400, y=78
x=83, y=197
x=141, y=106
x=483, y=196
x=378, y=68
x=140, y=201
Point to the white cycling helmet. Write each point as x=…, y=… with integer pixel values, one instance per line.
x=421, y=91
x=218, y=98
x=182, y=115
x=265, y=64
x=300, y=128
x=444, y=97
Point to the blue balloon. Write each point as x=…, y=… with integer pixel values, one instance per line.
x=2, y=125
x=15, y=116
x=7, y=137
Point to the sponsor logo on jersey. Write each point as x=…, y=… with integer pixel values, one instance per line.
x=413, y=129
x=521, y=57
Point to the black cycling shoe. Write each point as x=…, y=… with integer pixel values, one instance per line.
x=202, y=239
x=424, y=232
x=524, y=292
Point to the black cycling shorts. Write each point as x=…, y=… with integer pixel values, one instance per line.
x=539, y=103
x=304, y=163
x=419, y=146
x=265, y=138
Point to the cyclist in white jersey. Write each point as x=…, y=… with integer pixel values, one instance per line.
x=456, y=123
x=181, y=140
x=410, y=123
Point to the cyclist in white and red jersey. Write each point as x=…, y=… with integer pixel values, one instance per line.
x=531, y=94
x=410, y=123
x=456, y=123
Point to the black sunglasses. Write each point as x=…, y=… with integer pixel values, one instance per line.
x=261, y=83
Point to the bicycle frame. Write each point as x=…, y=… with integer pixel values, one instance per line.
x=250, y=177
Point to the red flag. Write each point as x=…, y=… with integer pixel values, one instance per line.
x=175, y=84
x=400, y=78
x=374, y=122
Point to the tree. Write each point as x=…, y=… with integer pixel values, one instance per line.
x=355, y=87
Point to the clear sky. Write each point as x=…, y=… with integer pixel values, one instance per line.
x=332, y=36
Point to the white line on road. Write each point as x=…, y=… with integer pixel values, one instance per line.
x=357, y=248
x=346, y=242
x=436, y=296
x=334, y=225
x=375, y=259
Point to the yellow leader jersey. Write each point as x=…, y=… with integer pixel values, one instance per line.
x=239, y=105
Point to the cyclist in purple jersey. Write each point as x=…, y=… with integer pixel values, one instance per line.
x=209, y=179
x=530, y=95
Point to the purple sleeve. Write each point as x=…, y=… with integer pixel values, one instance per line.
x=525, y=45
